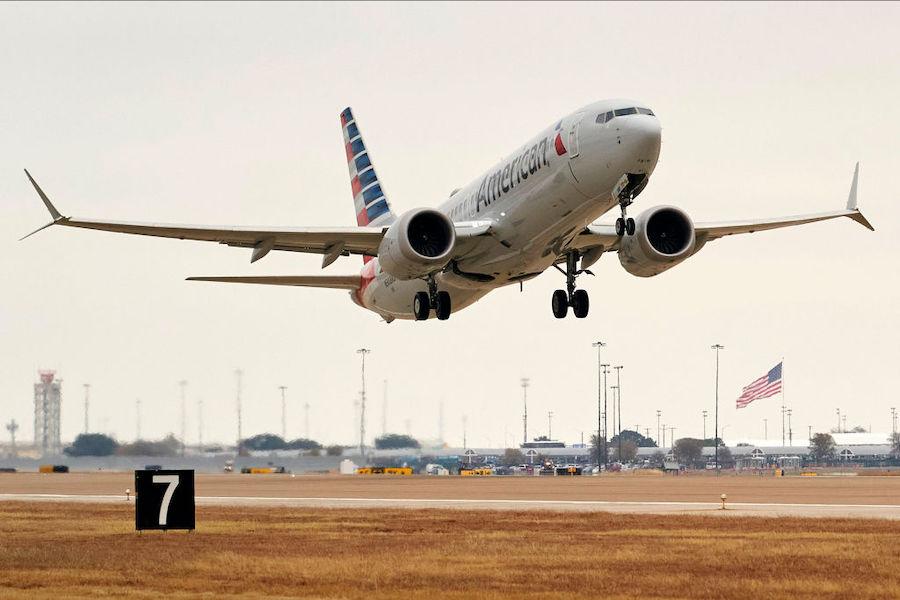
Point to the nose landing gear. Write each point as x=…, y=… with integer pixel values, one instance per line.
x=625, y=224
x=629, y=186
x=577, y=299
x=423, y=302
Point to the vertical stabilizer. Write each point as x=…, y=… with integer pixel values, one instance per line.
x=371, y=205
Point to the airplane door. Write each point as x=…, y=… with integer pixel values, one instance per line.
x=573, y=135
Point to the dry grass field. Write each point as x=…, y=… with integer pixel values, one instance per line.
x=65, y=550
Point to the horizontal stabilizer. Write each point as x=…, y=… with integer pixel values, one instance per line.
x=339, y=282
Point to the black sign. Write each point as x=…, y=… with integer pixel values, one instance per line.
x=164, y=499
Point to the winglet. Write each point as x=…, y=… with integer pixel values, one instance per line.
x=53, y=212
x=851, y=199
x=57, y=217
x=851, y=202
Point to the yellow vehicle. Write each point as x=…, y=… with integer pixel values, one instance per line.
x=384, y=471
x=478, y=472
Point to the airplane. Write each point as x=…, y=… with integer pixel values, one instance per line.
x=532, y=211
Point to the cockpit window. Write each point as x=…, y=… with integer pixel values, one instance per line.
x=620, y=112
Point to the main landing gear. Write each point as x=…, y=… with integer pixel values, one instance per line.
x=577, y=299
x=423, y=302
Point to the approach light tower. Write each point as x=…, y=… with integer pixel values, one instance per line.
x=362, y=406
x=524, y=410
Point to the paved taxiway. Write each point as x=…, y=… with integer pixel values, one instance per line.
x=839, y=497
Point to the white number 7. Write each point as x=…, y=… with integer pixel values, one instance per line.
x=172, y=480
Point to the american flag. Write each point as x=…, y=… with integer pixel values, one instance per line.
x=767, y=385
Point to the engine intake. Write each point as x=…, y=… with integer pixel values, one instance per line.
x=420, y=242
x=663, y=237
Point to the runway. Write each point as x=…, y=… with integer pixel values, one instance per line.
x=742, y=509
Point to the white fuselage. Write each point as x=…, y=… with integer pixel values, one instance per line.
x=537, y=200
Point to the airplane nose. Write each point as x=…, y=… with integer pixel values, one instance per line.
x=645, y=135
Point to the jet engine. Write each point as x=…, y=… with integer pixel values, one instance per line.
x=418, y=243
x=663, y=237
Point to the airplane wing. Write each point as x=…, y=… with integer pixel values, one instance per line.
x=332, y=242
x=340, y=282
x=603, y=237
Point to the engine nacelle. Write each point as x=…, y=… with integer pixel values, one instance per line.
x=663, y=237
x=418, y=243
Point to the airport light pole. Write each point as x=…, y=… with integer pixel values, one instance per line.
x=618, y=369
x=839, y=421
x=790, y=429
x=306, y=419
x=362, y=407
x=549, y=424
x=200, y=424
x=524, y=410
x=599, y=346
x=717, y=347
x=605, y=424
x=87, y=396
x=705, y=413
x=239, y=374
x=658, y=415
x=137, y=412
x=12, y=427
x=465, y=440
x=615, y=392
x=283, y=413
x=182, y=385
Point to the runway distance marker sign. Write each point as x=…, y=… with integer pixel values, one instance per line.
x=164, y=499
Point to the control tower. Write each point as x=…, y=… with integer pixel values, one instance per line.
x=47, y=400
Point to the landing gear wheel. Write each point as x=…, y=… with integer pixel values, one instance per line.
x=580, y=304
x=560, y=304
x=442, y=306
x=620, y=227
x=629, y=226
x=421, y=306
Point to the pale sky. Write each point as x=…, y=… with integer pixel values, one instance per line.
x=228, y=114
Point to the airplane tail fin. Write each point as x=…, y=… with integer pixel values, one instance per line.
x=372, y=208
